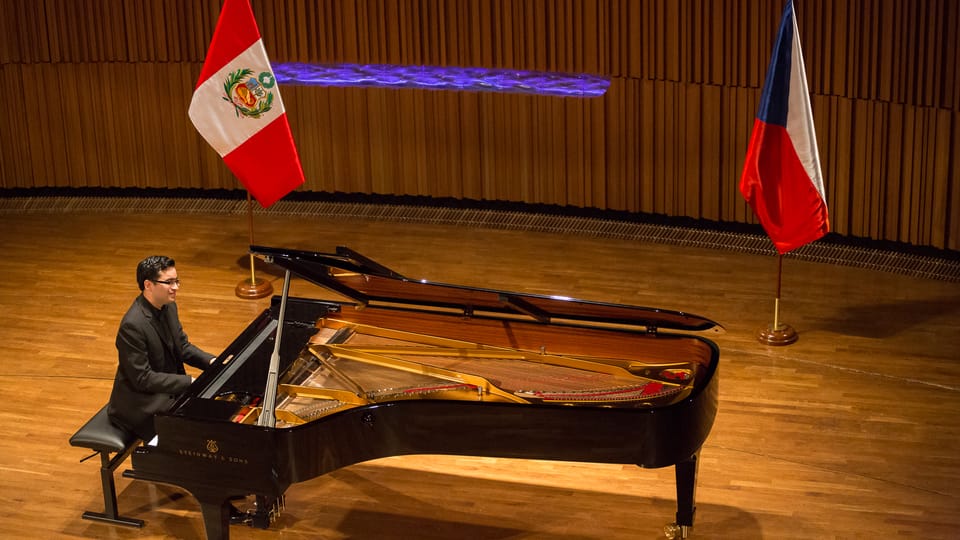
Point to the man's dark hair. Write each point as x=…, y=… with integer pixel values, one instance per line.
x=151, y=267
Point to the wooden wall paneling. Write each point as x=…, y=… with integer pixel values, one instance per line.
x=616, y=152
x=43, y=35
x=595, y=142
x=951, y=71
x=180, y=79
x=320, y=38
x=712, y=182
x=513, y=161
x=527, y=134
x=841, y=131
x=660, y=181
x=112, y=33
x=510, y=165
x=636, y=40
x=940, y=177
x=407, y=151
x=690, y=149
x=860, y=61
x=12, y=30
x=471, y=19
x=893, y=150
x=594, y=22
x=899, y=23
x=487, y=163
x=543, y=173
x=116, y=144
x=48, y=142
x=164, y=29
x=427, y=126
x=645, y=93
x=927, y=177
x=860, y=186
x=744, y=109
x=728, y=167
x=633, y=147
x=511, y=152
x=654, y=28
x=73, y=39
x=912, y=135
x=673, y=35
x=361, y=150
x=886, y=51
x=581, y=144
x=15, y=138
x=918, y=184
x=380, y=141
x=953, y=188
x=840, y=62
x=462, y=163
x=877, y=161
x=931, y=54
x=306, y=128
x=735, y=39
x=83, y=125
x=386, y=47
x=468, y=170
x=142, y=93
x=490, y=143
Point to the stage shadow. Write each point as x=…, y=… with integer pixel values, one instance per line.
x=883, y=320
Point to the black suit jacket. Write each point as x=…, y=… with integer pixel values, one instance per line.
x=152, y=349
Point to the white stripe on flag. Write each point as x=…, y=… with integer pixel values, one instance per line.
x=800, y=115
x=216, y=119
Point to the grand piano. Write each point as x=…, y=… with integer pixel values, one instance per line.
x=398, y=366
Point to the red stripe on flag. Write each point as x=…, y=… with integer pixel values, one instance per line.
x=236, y=31
x=777, y=187
x=267, y=163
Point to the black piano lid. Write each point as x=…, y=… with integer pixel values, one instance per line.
x=369, y=283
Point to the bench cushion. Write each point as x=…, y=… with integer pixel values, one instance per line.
x=101, y=435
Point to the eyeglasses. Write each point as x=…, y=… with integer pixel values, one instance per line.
x=169, y=282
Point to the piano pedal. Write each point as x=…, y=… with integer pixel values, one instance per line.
x=675, y=531
x=265, y=511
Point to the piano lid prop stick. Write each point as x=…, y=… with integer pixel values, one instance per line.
x=267, y=414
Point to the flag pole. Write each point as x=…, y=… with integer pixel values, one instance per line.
x=777, y=333
x=252, y=287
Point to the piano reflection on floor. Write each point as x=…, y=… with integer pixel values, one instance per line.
x=415, y=367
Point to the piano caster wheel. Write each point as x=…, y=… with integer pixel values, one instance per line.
x=674, y=531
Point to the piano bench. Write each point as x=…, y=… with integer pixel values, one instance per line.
x=104, y=438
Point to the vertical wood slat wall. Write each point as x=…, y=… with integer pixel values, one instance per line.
x=97, y=93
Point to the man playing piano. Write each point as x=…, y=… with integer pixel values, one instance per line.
x=152, y=349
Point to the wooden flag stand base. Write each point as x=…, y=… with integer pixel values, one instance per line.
x=777, y=333
x=783, y=334
x=252, y=290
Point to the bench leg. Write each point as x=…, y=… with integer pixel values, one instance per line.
x=110, y=513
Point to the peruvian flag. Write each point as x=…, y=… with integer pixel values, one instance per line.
x=781, y=178
x=236, y=107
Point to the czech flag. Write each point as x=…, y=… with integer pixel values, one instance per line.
x=781, y=178
x=237, y=109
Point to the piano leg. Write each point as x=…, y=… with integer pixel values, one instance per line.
x=216, y=516
x=686, y=474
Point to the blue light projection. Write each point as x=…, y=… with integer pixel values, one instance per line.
x=461, y=79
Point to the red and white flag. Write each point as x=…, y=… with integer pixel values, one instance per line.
x=781, y=177
x=236, y=107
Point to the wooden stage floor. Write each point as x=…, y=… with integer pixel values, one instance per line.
x=852, y=432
